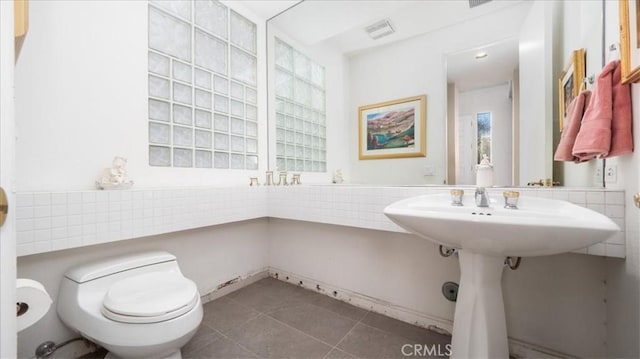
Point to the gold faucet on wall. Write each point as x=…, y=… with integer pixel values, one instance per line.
x=548, y=182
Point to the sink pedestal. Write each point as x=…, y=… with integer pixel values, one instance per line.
x=479, y=325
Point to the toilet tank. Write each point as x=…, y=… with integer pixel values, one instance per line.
x=110, y=266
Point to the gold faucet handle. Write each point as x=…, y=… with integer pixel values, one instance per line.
x=511, y=194
x=457, y=192
x=511, y=199
x=456, y=196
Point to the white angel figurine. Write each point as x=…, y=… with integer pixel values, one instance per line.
x=115, y=177
x=337, y=177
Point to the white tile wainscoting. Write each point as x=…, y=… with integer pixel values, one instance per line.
x=50, y=221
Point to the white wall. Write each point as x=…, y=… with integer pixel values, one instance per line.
x=536, y=86
x=7, y=180
x=393, y=267
x=209, y=256
x=496, y=100
x=623, y=277
x=408, y=68
x=581, y=29
x=81, y=98
x=554, y=301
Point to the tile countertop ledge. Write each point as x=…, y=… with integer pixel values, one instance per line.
x=50, y=221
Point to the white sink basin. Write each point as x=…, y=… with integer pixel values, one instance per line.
x=483, y=238
x=538, y=227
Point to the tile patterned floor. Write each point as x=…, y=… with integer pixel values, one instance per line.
x=274, y=319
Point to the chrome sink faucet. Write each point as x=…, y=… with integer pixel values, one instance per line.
x=484, y=179
x=482, y=198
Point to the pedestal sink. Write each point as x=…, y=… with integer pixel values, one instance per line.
x=483, y=238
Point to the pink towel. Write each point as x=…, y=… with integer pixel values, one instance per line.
x=594, y=138
x=606, y=126
x=575, y=110
x=621, y=132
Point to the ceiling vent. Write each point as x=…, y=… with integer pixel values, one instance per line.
x=380, y=29
x=474, y=3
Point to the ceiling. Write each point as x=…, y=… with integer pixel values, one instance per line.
x=267, y=9
x=340, y=24
x=469, y=73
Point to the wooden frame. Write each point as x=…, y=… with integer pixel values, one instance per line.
x=570, y=83
x=629, y=41
x=393, y=129
x=21, y=24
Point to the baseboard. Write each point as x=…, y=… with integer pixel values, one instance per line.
x=363, y=301
x=521, y=349
x=238, y=283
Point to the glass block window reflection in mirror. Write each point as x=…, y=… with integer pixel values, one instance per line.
x=301, y=136
x=202, y=86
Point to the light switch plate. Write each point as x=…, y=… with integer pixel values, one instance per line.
x=611, y=173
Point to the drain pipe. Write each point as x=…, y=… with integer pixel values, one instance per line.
x=513, y=262
x=47, y=348
x=446, y=251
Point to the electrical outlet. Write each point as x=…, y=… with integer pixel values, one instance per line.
x=597, y=175
x=611, y=173
x=429, y=170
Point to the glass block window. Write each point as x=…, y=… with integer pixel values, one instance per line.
x=202, y=86
x=301, y=135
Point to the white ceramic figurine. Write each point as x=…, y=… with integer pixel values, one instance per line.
x=337, y=177
x=115, y=177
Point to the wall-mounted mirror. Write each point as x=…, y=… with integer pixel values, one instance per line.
x=482, y=108
x=369, y=52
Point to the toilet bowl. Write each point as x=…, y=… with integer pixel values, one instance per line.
x=138, y=306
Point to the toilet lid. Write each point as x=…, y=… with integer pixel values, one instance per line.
x=150, y=297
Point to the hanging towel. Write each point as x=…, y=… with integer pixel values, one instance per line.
x=621, y=128
x=575, y=111
x=594, y=138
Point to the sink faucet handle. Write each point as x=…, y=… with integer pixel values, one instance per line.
x=456, y=196
x=511, y=194
x=511, y=199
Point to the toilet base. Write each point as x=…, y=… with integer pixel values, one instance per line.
x=175, y=355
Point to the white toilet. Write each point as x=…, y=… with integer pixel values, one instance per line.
x=138, y=306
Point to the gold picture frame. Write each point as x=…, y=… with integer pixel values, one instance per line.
x=393, y=129
x=629, y=41
x=570, y=83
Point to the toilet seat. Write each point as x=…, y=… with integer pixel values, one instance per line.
x=150, y=298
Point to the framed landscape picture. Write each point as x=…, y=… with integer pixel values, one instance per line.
x=570, y=83
x=629, y=40
x=393, y=129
